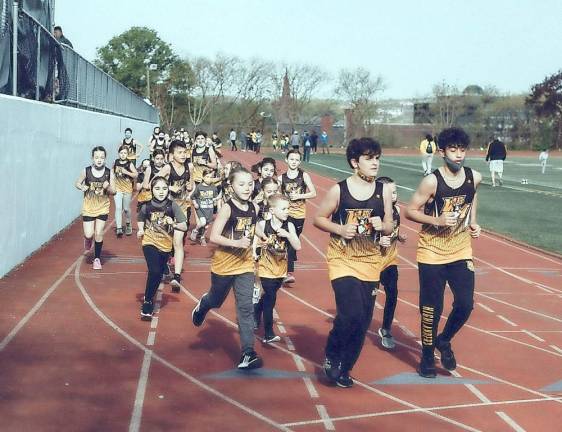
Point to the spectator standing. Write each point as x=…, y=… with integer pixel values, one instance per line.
x=314, y=142
x=324, y=142
x=57, y=32
x=496, y=154
x=295, y=144
x=427, y=150
x=232, y=138
x=543, y=159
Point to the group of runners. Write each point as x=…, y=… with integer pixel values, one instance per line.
x=258, y=219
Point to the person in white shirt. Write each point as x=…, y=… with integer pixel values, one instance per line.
x=543, y=159
x=232, y=138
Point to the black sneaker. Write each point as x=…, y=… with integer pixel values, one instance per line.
x=332, y=370
x=147, y=311
x=447, y=355
x=270, y=338
x=176, y=283
x=426, y=368
x=197, y=315
x=250, y=360
x=344, y=380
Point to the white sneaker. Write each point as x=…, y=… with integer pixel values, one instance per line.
x=387, y=340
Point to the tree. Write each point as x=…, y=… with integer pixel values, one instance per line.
x=126, y=56
x=359, y=90
x=447, y=106
x=545, y=100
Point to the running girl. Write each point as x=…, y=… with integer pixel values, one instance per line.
x=202, y=156
x=276, y=233
x=204, y=198
x=144, y=194
x=233, y=264
x=295, y=183
x=264, y=169
x=269, y=188
x=97, y=182
x=352, y=213
x=125, y=175
x=157, y=221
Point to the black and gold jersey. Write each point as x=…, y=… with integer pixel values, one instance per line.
x=390, y=254
x=123, y=182
x=273, y=257
x=232, y=261
x=199, y=161
x=131, y=146
x=359, y=257
x=297, y=208
x=159, y=221
x=144, y=194
x=96, y=200
x=446, y=244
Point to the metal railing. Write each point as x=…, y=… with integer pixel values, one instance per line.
x=46, y=70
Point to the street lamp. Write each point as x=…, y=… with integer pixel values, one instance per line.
x=149, y=67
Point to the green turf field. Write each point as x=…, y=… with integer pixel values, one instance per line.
x=531, y=213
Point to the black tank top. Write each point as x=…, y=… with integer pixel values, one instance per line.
x=447, y=199
x=154, y=170
x=276, y=245
x=131, y=146
x=200, y=158
x=91, y=179
x=176, y=179
x=241, y=223
x=297, y=184
x=351, y=210
x=122, y=164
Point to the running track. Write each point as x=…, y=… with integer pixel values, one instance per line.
x=75, y=356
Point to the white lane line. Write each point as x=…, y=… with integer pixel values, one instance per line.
x=136, y=416
x=310, y=387
x=328, y=424
x=522, y=308
x=289, y=343
x=534, y=336
x=160, y=294
x=511, y=323
x=165, y=362
x=299, y=363
x=281, y=328
x=151, y=338
x=378, y=306
x=406, y=331
x=555, y=348
x=486, y=308
x=472, y=389
x=36, y=306
x=154, y=322
x=545, y=289
x=510, y=421
x=275, y=314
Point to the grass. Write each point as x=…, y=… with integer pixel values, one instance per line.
x=530, y=213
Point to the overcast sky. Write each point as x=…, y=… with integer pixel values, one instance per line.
x=510, y=44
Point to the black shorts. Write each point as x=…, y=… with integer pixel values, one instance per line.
x=93, y=218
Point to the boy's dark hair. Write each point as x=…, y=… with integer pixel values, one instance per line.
x=175, y=144
x=99, y=148
x=59, y=28
x=453, y=136
x=122, y=147
x=385, y=180
x=293, y=151
x=428, y=137
x=362, y=147
x=200, y=133
x=156, y=180
x=267, y=181
x=158, y=152
x=129, y=129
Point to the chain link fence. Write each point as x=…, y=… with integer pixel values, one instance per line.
x=49, y=71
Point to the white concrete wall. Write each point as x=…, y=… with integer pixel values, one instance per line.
x=43, y=147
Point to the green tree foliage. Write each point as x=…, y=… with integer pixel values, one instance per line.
x=545, y=100
x=126, y=56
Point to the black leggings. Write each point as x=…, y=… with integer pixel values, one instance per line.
x=355, y=300
x=389, y=279
x=267, y=301
x=291, y=253
x=156, y=262
x=233, y=145
x=433, y=277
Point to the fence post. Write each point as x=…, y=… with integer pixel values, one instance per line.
x=15, y=49
x=38, y=60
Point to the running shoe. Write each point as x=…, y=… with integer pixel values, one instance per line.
x=198, y=315
x=176, y=283
x=447, y=355
x=344, y=380
x=167, y=275
x=387, y=340
x=147, y=311
x=88, y=244
x=332, y=369
x=426, y=368
x=203, y=241
x=193, y=235
x=128, y=229
x=271, y=338
x=250, y=360
x=97, y=264
x=289, y=279
x=119, y=232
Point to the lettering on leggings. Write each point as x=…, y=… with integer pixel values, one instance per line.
x=427, y=325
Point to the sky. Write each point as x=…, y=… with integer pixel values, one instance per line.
x=509, y=44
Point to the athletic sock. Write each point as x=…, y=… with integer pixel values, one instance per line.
x=97, y=249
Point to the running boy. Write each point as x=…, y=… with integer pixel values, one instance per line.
x=204, y=198
x=232, y=265
x=125, y=175
x=352, y=212
x=133, y=147
x=276, y=232
x=389, y=267
x=445, y=205
x=295, y=183
x=97, y=182
x=157, y=221
x=202, y=156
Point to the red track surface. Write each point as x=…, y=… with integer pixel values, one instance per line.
x=75, y=355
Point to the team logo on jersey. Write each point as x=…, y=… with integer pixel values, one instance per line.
x=96, y=188
x=456, y=204
x=276, y=245
x=199, y=160
x=245, y=226
x=292, y=187
x=160, y=222
x=361, y=218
